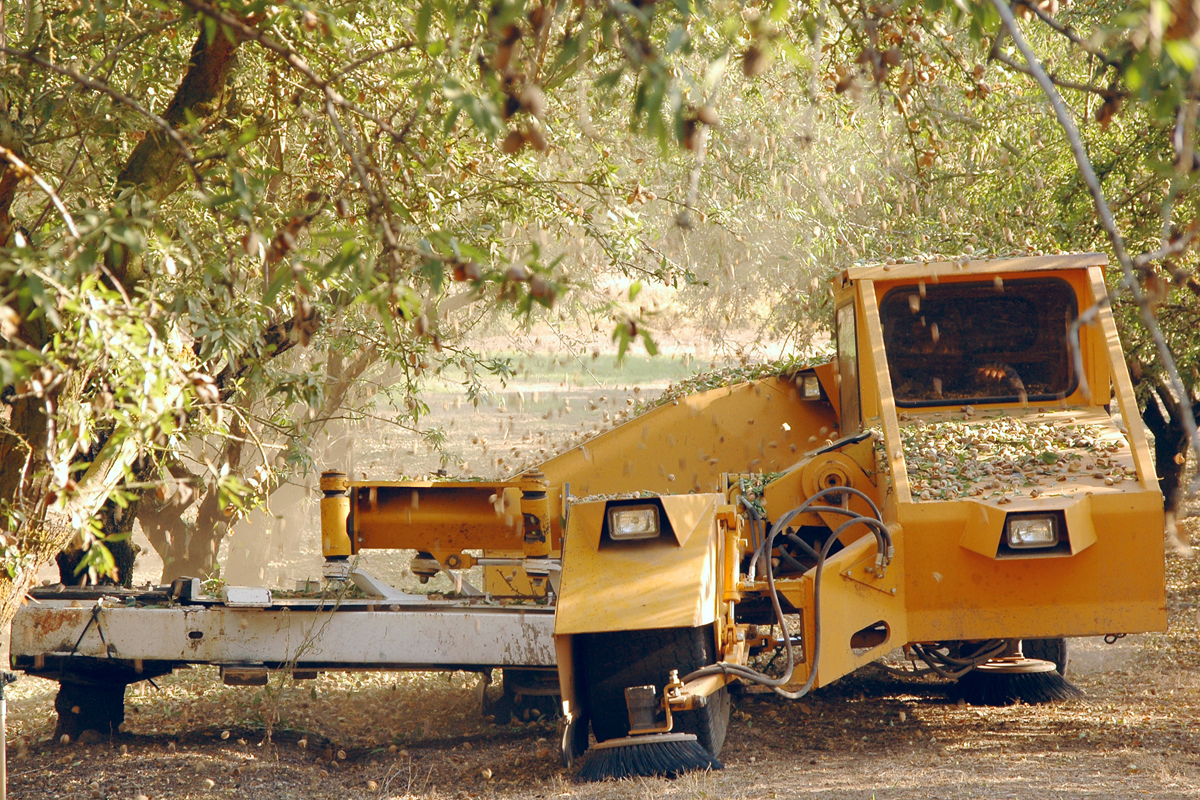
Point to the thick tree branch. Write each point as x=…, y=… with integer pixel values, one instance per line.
x=1069, y=32
x=297, y=63
x=997, y=55
x=22, y=170
x=1130, y=282
x=333, y=101
x=277, y=339
x=211, y=63
x=120, y=97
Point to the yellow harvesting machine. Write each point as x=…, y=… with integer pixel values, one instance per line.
x=970, y=471
x=968, y=480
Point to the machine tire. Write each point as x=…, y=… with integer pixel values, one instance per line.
x=1054, y=650
x=610, y=662
x=527, y=693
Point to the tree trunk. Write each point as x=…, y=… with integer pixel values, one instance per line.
x=1170, y=441
x=23, y=457
x=114, y=521
x=156, y=157
x=188, y=549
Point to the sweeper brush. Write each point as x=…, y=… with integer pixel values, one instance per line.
x=663, y=755
x=1008, y=682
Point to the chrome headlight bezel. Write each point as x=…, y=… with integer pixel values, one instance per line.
x=634, y=523
x=1032, y=531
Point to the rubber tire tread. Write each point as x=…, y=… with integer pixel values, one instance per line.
x=609, y=662
x=1054, y=649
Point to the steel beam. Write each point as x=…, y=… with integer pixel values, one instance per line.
x=357, y=636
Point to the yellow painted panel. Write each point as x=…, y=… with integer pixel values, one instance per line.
x=686, y=445
x=440, y=518
x=848, y=605
x=564, y=652
x=982, y=526
x=976, y=268
x=686, y=516
x=811, y=475
x=335, y=541
x=984, y=523
x=1114, y=586
x=640, y=585
x=827, y=375
x=1081, y=526
x=1123, y=387
x=587, y=520
x=878, y=383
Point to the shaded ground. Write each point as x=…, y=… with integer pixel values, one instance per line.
x=1136, y=734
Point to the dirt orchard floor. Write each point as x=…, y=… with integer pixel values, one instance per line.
x=869, y=735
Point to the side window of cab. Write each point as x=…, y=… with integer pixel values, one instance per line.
x=847, y=363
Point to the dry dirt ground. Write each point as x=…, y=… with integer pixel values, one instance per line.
x=1135, y=734
x=383, y=735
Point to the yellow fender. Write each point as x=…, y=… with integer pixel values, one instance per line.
x=667, y=582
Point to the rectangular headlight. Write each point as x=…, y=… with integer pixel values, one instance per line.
x=633, y=522
x=1031, y=532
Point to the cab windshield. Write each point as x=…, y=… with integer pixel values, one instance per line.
x=979, y=342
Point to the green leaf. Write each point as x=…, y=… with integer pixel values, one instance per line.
x=480, y=111
x=1183, y=53
x=648, y=343
x=621, y=337
x=424, y=18
x=609, y=80
x=433, y=269
x=563, y=66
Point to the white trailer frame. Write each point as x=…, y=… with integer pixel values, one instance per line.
x=248, y=633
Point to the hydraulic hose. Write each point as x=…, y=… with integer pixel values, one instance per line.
x=882, y=535
x=886, y=550
x=755, y=529
x=945, y=665
x=954, y=668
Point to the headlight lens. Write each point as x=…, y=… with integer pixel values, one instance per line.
x=1030, y=532
x=633, y=522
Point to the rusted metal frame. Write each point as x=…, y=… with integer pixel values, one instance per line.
x=415, y=639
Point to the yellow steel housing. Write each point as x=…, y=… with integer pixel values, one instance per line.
x=443, y=518
x=947, y=579
x=335, y=511
x=687, y=444
x=954, y=586
x=673, y=581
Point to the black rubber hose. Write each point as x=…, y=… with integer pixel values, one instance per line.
x=777, y=684
x=884, y=542
x=791, y=560
x=955, y=668
x=756, y=532
x=805, y=546
x=882, y=534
